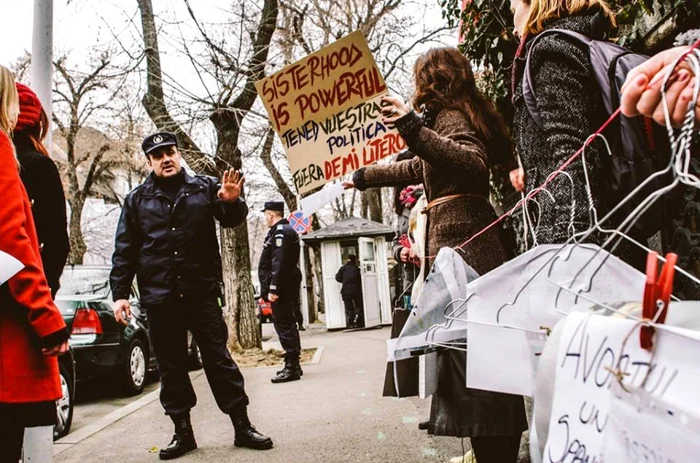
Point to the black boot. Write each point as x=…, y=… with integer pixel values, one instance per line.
x=290, y=372
x=183, y=440
x=424, y=425
x=301, y=327
x=287, y=364
x=246, y=434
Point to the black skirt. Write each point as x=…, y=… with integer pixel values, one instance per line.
x=29, y=414
x=458, y=411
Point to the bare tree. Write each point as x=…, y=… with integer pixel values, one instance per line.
x=393, y=31
x=226, y=107
x=79, y=96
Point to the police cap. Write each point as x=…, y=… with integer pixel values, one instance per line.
x=274, y=206
x=157, y=140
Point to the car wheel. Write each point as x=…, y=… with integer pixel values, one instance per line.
x=64, y=405
x=134, y=368
x=195, y=356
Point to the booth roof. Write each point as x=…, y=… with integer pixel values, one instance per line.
x=352, y=227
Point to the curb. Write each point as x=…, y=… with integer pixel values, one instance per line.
x=83, y=433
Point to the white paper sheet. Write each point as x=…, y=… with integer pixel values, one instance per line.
x=590, y=349
x=446, y=282
x=312, y=203
x=9, y=266
x=645, y=429
x=501, y=358
x=427, y=375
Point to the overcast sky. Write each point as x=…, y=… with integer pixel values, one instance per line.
x=81, y=26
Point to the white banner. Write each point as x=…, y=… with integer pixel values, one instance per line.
x=643, y=428
x=592, y=351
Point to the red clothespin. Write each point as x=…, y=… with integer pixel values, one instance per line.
x=656, y=291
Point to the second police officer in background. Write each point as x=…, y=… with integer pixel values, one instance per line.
x=280, y=278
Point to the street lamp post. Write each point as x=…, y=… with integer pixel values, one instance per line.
x=42, y=56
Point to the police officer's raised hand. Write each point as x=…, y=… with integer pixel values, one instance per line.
x=231, y=186
x=122, y=311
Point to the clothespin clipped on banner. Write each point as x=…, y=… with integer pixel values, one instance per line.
x=657, y=295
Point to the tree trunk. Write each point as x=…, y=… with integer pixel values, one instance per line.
x=78, y=248
x=371, y=205
x=238, y=284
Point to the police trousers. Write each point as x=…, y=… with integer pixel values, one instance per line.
x=168, y=325
x=354, y=309
x=284, y=319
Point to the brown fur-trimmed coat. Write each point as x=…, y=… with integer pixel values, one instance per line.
x=450, y=159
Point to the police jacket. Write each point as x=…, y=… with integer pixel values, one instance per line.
x=279, y=262
x=349, y=275
x=171, y=245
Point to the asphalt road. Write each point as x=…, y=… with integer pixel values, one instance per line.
x=96, y=398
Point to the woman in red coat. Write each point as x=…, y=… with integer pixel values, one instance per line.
x=32, y=330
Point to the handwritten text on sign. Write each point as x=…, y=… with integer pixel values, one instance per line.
x=590, y=350
x=645, y=429
x=326, y=110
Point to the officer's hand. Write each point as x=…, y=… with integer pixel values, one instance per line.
x=122, y=311
x=272, y=297
x=405, y=254
x=231, y=186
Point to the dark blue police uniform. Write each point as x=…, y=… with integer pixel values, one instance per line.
x=279, y=274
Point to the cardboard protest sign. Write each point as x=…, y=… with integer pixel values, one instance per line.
x=643, y=428
x=326, y=110
x=592, y=349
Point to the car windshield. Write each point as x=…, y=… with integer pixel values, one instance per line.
x=85, y=281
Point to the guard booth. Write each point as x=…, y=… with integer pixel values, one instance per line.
x=368, y=241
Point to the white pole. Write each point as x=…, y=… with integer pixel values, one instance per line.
x=38, y=445
x=42, y=57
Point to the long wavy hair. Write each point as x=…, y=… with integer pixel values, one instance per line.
x=33, y=137
x=542, y=11
x=444, y=80
x=9, y=101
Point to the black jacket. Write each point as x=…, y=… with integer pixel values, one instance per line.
x=171, y=247
x=45, y=190
x=349, y=275
x=278, y=270
x=571, y=106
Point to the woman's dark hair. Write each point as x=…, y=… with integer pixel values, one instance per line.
x=33, y=137
x=398, y=206
x=444, y=80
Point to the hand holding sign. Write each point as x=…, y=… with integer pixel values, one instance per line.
x=393, y=109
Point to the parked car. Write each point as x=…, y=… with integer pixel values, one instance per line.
x=64, y=405
x=103, y=347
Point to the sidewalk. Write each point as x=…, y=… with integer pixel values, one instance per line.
x=334, y=414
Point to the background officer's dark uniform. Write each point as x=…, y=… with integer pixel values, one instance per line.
x=279, y=274
x=351, y=291
x=167, y=237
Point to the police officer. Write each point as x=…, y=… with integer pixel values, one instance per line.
x=280, y=278
x=167, y=237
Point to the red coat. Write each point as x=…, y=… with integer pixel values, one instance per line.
x=27, y=312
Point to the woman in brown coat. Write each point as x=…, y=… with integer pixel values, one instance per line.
x=455, y=139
